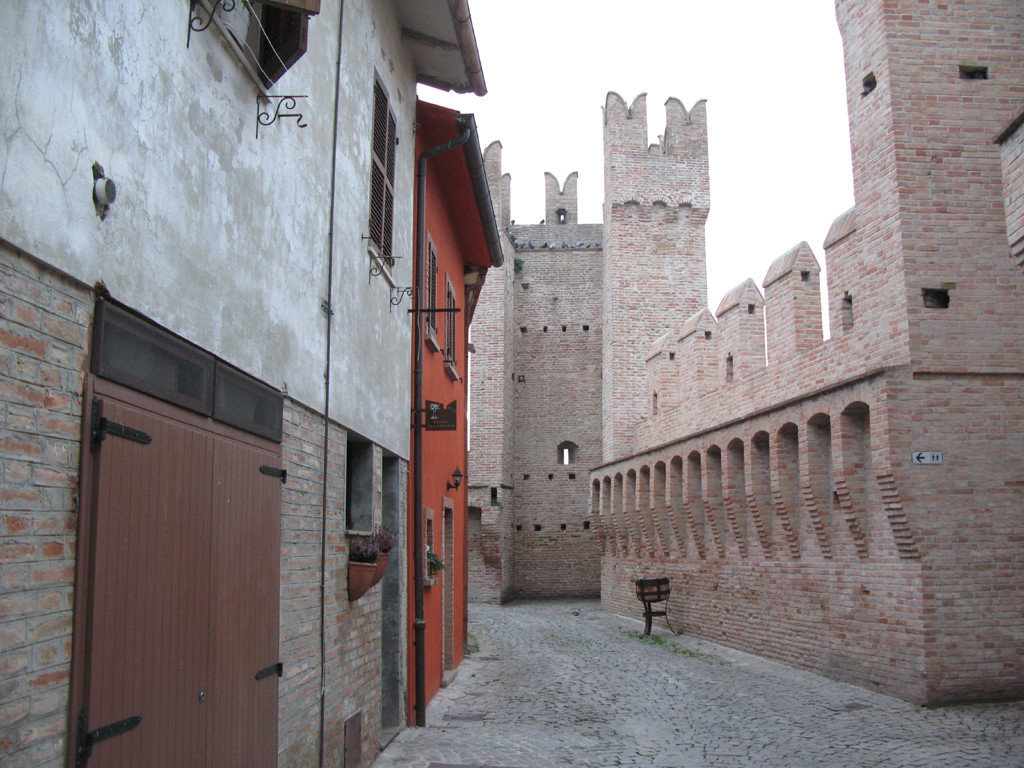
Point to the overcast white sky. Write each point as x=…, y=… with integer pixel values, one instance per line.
x=773, y=77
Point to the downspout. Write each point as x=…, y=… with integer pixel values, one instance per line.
x=419, y=267
x=329, y=311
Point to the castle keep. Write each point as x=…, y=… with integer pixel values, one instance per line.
x=852, y=506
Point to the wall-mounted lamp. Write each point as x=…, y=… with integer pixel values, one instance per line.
x=456, y=480
x=104, y=191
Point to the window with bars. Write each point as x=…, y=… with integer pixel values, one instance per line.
x=449, y=329
x=382, y=176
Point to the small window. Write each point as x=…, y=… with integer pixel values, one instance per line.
x=359, y=495
x=562, y=527
x=935, y=298
x=707, y=334
x=750, y=309
x=973, y=72
x=536, y=527
x=268, y=37
x=545, y=329
x=567, y=452
x=729, y=369
x=519, y=527
x=586, y=327
x=382, y=176
x=526, y=286
x=654, y=404
x=551, y=477
x=563, y=329
x=522, y=329
x=494, y=496
x=572, y=475
x=586, y=525
x=671, y=355
x=869, y=84
x=526, y=476
x=562, y=215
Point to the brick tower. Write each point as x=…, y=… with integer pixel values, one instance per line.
x=657, y=199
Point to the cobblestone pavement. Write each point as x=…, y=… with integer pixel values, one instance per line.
x=548, y=687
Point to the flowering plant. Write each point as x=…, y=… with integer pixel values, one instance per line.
x=384, y=539
x=363, y=551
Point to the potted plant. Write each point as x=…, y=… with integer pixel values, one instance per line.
x=434, y=563
x=385, y=541
x=362, y=566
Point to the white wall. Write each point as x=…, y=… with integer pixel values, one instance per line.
x=216, y=235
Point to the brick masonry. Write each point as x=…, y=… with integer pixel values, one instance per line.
x=769, y=472
x=799, y=524
x=45, y=326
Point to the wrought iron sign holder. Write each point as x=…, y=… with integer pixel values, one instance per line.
x=264, y=116
x=195, y=19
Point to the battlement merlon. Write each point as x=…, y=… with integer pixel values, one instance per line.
x=500, y=184
x=674, y=170
x=560, y=202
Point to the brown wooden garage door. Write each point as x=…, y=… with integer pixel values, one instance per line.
x=181, y=585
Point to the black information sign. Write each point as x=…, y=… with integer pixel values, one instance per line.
x=439, y=416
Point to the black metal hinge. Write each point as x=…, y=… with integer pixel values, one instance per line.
x=273, y=669
x=275, y=472
x=101, y=427
x=86, y=739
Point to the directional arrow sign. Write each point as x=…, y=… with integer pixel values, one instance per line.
x=926, y=457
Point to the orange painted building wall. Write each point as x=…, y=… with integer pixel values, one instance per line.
x=443, y=451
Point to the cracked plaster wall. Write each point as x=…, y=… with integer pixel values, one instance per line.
x=216, y=235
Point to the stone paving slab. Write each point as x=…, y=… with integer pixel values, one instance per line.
x=563, y=683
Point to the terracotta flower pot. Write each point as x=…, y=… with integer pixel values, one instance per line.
x=382, y=566
x=360, y=579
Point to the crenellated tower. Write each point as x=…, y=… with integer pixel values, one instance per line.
x=657, y=199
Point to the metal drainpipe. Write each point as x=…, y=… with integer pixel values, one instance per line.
x=327, y=392
x=419, y=625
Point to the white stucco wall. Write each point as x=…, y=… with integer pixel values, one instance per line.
x=216, y=235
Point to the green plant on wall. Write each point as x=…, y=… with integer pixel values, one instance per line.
x=434, y=563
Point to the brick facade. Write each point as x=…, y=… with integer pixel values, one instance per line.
x=44, y=332
x=801, y=524
x=775, y=476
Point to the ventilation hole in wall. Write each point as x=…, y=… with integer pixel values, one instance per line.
x=526, y=286
x=522, y=329
x=935, y=298
x=586, y=327
x=586, y=525
x=805, y=276
x=707, y=334
x=562, y=526
x=869, y=84
x=973, y=72
x=671, y=355
x=526, y=476
x=572, y=475
x=750, y=309
x=551, y=477
x=563, y=329
x=536, y=527
x=519, y=527
x=729, y=372
x=545, y=329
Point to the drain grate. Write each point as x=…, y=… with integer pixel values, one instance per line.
x=466, y=716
